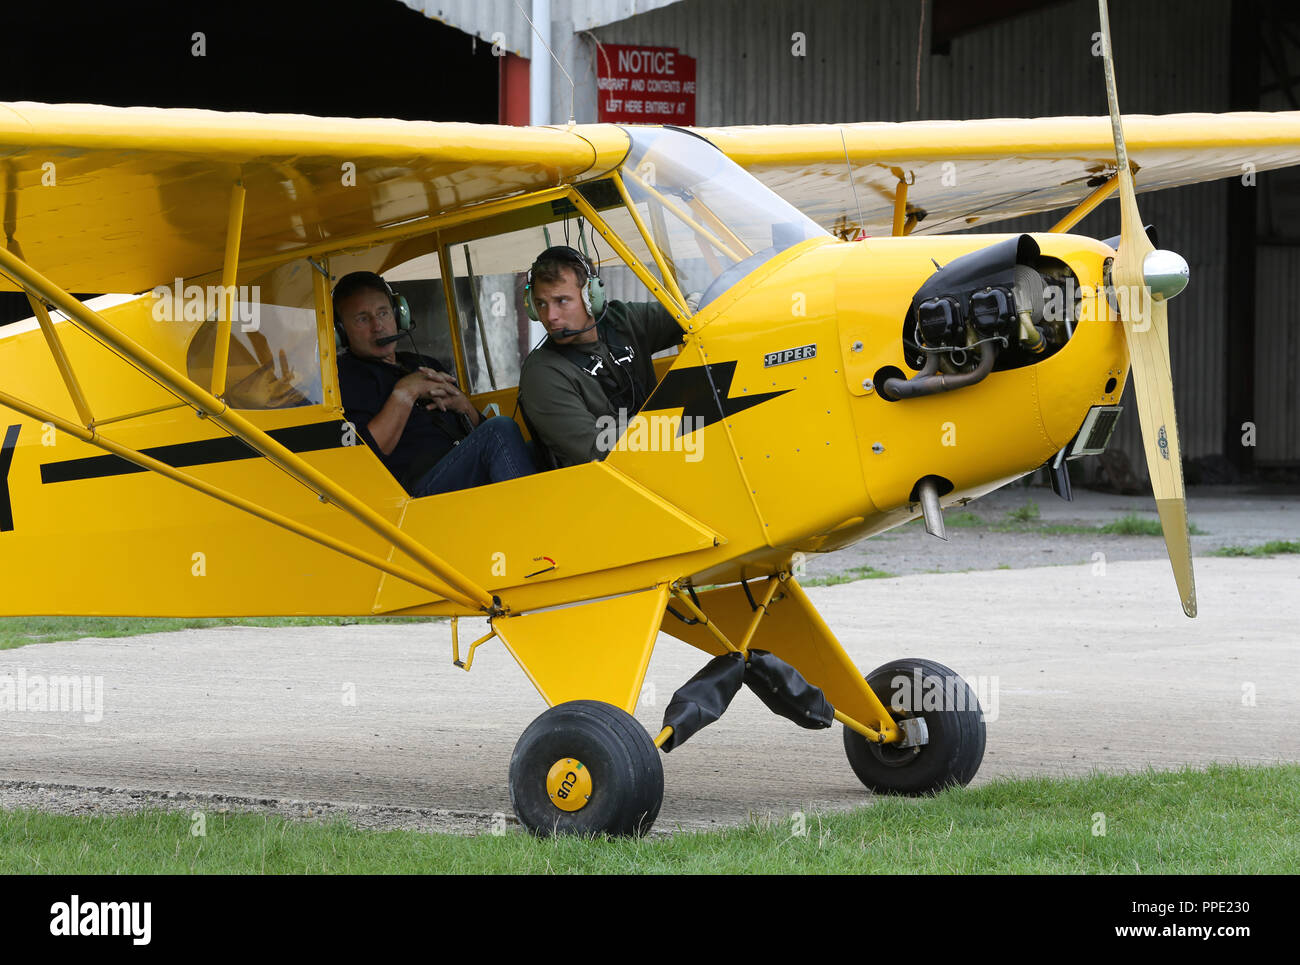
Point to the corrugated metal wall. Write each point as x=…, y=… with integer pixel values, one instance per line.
x=1277, y=309
x=860, y=60
x=1277, y=356
x=483, y=18
x=861, y=64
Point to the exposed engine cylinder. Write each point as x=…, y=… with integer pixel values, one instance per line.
x=984, y=308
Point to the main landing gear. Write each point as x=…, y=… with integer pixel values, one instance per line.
x=587, y=767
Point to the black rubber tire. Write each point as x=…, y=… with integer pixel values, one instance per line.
x=626, y=772
x=957, y=734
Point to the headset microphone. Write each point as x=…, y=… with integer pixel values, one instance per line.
x=390, y=339
x=569, y=332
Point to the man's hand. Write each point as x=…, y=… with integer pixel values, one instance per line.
x=426, y=388
x=435, y=390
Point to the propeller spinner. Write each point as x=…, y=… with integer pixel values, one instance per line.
x=1149, y=277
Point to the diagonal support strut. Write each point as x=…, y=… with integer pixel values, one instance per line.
x=452, y=584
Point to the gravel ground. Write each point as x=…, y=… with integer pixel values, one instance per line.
x=1228, y=515
x=1091, y=674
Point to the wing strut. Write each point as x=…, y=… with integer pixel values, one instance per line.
x=1084, y=207
x=449, y=582
x=93, y=437
x=61, y=361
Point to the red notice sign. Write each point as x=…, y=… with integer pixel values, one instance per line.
x=644, y=85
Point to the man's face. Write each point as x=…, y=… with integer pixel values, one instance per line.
x=366, y=316
x=559, y=306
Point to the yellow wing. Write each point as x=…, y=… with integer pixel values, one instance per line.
x=964, y=173
x=106, y=199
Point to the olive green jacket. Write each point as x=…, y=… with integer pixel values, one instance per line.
x=563, y=404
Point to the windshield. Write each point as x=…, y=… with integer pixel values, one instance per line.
x=712, y=221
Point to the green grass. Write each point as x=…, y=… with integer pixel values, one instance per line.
x=1046, y=529
x=848, y=576
x=1271, y=548
x=1025, y=519
x=1028, y=519
x=1135, y=525
x=20, y=631
x=1235, y=820
x=1024, y=514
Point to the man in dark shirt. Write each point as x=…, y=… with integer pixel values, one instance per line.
x=408, y=409
x=595, y=368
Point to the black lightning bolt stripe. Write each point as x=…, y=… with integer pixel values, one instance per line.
x=701, y=391
x=6, y=460
x=308, y=438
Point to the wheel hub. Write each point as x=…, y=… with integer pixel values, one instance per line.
x=569, y=784
x=905, y=751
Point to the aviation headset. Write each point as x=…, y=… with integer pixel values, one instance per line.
x=401, y=309
x=593, y=289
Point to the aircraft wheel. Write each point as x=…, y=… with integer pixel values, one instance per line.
x=922, y=688
x=586, y=767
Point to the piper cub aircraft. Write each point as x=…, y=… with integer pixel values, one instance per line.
x=174, y=441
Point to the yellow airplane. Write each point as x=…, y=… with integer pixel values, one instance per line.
x=176, y=445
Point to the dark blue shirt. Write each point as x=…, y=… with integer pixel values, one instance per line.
x=366, y=384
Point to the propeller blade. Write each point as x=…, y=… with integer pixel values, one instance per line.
x=1153, y=387
x=1146, y=332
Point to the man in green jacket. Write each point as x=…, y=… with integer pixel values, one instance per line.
x=594, y=371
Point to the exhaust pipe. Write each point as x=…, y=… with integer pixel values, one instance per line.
x=930, y=381
x=931, y=510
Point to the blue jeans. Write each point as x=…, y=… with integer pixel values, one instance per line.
x=493, y=452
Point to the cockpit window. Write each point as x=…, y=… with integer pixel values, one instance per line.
x=273, y=360
x=713, y=222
